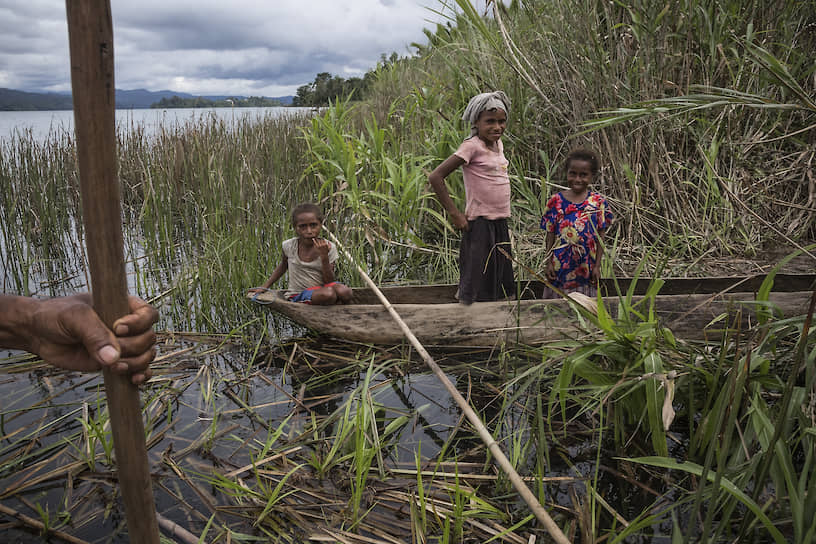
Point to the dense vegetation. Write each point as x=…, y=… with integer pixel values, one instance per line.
x=703, y=111
x=326, y=88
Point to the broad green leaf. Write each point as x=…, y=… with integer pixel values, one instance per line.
x=725, y=484
x=655, y=396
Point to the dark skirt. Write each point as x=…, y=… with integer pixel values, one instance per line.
x=484, y=272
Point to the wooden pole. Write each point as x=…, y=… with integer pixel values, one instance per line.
x=90, y=38
x=528, y=496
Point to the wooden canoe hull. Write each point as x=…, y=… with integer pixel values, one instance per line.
x=439, y=320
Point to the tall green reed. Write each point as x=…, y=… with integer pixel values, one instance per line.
x=379, y=201
x=206, y=205
x=39, y=200
x=734, y=427
x=628, y=53
x=218, y=196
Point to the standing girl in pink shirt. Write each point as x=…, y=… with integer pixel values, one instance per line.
x=485, y=273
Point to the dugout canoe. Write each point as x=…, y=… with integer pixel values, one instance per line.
x=692, y=308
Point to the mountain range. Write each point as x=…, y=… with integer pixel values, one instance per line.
x=13, y=100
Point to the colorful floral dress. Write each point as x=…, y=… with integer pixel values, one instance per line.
x=576, y=227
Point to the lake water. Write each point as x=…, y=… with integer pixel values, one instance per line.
x=42, y=123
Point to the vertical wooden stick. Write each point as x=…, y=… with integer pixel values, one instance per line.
x=90, y=37
x=504, y=463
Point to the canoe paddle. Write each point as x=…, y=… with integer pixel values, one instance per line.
x=90, y=39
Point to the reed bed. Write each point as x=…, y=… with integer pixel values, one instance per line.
x=260, y=447
x=702, y=113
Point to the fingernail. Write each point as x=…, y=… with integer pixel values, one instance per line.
x=108, y=354
x=120, y=329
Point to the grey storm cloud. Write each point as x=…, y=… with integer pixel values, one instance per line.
x=216, y=47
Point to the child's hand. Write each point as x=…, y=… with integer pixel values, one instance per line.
x=550, y=272
x=459, y=221
x=595, y=275
x=322, y=246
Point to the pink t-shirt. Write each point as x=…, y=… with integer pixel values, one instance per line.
x=487, y=185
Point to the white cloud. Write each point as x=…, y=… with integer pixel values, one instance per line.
x=215, y=47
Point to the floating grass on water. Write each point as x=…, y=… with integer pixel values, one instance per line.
x=341, y=457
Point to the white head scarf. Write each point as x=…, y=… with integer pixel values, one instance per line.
x=484, y=102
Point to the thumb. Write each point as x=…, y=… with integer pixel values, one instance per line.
x=95, y=336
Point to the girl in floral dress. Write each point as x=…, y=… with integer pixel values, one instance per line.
x=575, y=220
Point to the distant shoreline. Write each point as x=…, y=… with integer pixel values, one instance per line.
x=70, y=108
x=14, y=100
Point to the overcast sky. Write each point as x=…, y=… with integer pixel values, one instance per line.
x=216, y=47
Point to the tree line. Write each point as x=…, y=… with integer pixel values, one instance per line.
x=327, y=88
x=200, y=102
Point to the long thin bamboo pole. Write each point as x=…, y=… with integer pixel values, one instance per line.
x=528, y=496
x=90, y=38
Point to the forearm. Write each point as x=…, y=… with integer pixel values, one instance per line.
x=327, y=270
x=599, y=253
x=437, y=181
x=444, y=197
x=549, y=258
x=276, y=274
x=595, y=272
x=15, y=321
x=549, y=241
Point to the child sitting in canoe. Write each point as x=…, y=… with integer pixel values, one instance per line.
x=575, y=220
x=310, y=262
